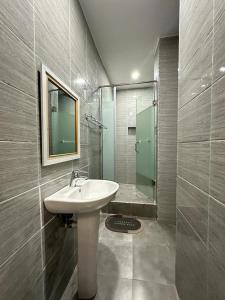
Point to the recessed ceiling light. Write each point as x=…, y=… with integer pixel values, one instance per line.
x=222, y=69
x=135, y=75
x=80, y=81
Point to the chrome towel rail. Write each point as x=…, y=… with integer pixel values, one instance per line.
x=93, y=120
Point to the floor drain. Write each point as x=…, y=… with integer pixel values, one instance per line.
x=120, y=223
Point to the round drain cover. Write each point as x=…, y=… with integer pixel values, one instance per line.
x=120, y=223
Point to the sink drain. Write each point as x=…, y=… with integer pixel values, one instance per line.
x=120, y=223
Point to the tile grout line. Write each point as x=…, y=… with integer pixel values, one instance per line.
x=203, y=192
x=18, y=195
x=49, y=221
x=16, y=36
x=202, y=141
x=191, y=184
x=211, y=119
x=217, y=140
x=149, y=281
x=193, y=142
x=190, y=225
x=47, y=182
x=36, y=187
x=185, y=180
x=217, y=201
x=69, y=40
x=210, y=86
x=18, y=249
x=17, y=89
x=17, y=142
x=210, y=149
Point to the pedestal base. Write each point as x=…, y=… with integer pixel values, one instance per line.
x=87, y=226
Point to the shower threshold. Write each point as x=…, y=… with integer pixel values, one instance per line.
x=131, y=202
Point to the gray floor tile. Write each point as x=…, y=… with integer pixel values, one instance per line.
x=113, y=288
x=154, y=263
x=147, y=258
x=143, y=290
x=115, y=258
x=155, y=233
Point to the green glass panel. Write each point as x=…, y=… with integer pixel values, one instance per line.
x=145, y=150
x=108, y=134
x=62, y=121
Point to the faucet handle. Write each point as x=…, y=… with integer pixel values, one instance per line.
x=76, y=174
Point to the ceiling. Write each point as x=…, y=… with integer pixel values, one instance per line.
x=126, y=33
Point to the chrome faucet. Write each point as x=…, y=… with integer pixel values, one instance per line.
x=80, y=179
x=75, y=176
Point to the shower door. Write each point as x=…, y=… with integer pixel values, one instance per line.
x=145, y=145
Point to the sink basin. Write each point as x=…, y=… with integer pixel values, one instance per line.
x=91, y=196
x=86, y=201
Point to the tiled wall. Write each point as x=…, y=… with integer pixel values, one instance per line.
x=200, y=263
x=166, y=73
x=37, y=255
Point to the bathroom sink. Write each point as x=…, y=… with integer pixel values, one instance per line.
x=86, y=201
x=91, y=196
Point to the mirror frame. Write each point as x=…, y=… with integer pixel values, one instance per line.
x=47, y=159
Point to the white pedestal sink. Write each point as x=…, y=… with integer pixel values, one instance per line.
x=86, y=201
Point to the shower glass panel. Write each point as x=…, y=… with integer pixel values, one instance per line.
x=146, y=143
x=108, y=135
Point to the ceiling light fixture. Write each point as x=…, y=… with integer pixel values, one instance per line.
x=80, y=81
x=222, y=69
x=135, y=75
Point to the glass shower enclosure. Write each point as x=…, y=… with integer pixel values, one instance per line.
x=145, y=146
x=145, y=131
x=108, y=135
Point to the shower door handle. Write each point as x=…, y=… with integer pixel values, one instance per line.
x=136, y=150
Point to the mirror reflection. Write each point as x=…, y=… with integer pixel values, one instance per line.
x=62, y=110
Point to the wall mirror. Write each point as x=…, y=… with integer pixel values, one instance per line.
x=60, y=120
